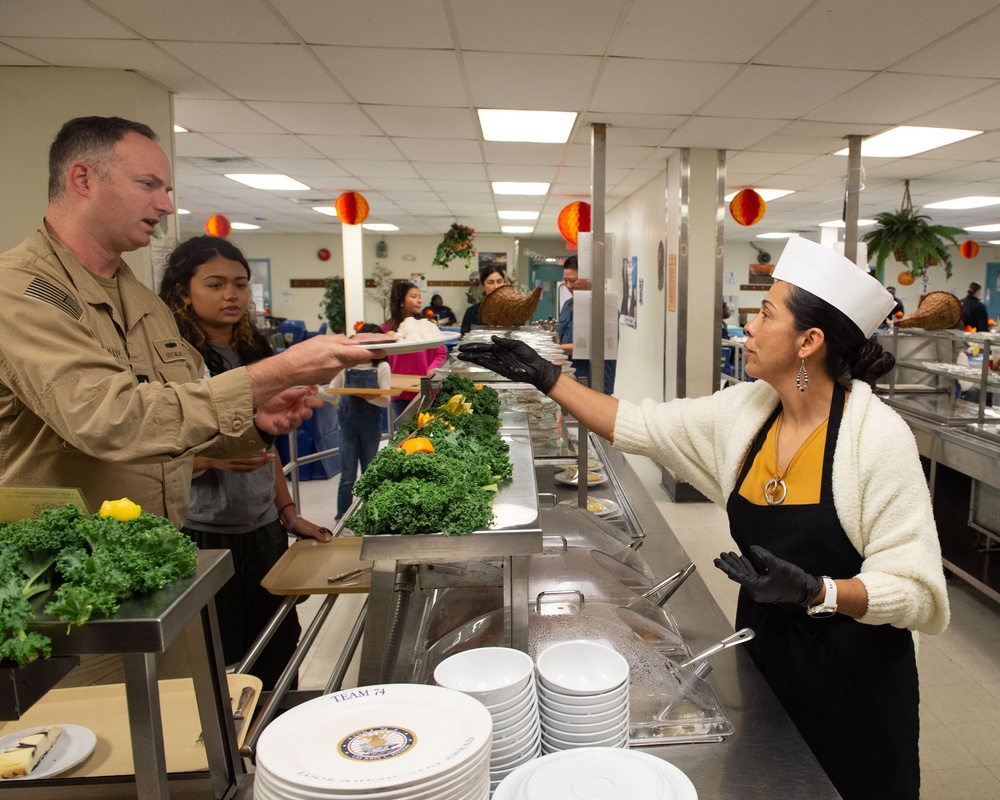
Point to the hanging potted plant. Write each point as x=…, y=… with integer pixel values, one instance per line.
x=457, y=243
x=911, y=238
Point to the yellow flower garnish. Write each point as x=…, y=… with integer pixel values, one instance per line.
x=457, y=405
x=423, y=418
x=479, y=387
x=122, y=510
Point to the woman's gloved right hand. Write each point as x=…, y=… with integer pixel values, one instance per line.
x=514, y=360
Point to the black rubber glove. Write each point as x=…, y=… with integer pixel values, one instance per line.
x=514, y=360
x=769, y=579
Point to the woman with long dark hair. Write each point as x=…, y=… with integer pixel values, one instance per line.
x=242, y=505
x=491, y=277
x=405, y=302
x=827, y=501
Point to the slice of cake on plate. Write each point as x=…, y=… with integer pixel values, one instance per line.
x=18, y=761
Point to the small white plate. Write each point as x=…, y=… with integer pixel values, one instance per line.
x=71, y=748
x=608, y=507
x=563, y=477
x=398, y=348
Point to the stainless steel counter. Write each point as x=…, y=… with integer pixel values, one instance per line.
x=766, y=757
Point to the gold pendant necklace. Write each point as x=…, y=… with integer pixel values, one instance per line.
x=775, y=490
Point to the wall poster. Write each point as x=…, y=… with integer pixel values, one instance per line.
x=629, y=290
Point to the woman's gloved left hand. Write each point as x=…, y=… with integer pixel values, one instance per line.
x=769, y=579
x=514, y=360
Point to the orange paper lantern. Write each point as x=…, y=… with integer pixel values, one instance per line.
x=218, y=225
x=573, y=220
x=969, y=249
x=905, y=279
x=748, y=207
x=352, y=208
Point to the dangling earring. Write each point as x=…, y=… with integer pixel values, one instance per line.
x=802, y=378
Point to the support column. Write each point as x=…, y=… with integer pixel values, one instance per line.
x=354, y=276
x=37, y=101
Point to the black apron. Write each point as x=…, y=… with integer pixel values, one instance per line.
x=851, y=689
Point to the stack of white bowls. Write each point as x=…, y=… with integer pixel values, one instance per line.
x=503, y=680
x=391, y=742
x=582, y=696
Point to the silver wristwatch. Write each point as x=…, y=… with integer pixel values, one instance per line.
x=829, y=605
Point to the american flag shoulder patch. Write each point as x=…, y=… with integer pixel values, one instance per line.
x=53, y=295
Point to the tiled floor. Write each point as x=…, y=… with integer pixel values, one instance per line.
x=959, y=670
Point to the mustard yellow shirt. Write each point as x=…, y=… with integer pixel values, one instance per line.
x=803, y=476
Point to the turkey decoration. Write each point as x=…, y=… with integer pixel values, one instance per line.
x=573, y=220
x=969, y=249
x=748, y=207
x=218, y=225
x=352, y=208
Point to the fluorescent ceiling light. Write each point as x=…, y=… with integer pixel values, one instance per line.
x=765, y=194
x=839, y=223
x=907, y=140
x=183, y=211
x=993, y=241
x=519, y=187
x=179, y=129
x=548, y=127
x=380, y=226
x=272, y=182
x=245, y=226
x=330, y=211
x=777, y=235
x=984, y=228
x=516, y=228
x=517, y=214
x=966, y=202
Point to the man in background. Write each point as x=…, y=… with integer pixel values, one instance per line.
x=896, y=309
x=564, y=329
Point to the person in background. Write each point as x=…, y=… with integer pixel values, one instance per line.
x=827, y=502
x=564, y=328
x=974, y=310
x=242, y=505
x=441, y=313
x=360, y=419
x=897, y=307
x=491, y=277
x=404, y=301
x=725, y=317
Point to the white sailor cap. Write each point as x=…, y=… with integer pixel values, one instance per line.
x=822, y=271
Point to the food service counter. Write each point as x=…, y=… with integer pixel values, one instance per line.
x=765, y=757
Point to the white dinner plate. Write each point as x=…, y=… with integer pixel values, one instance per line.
x=398, y=348
x=563, y=477
x=71, y=748
x=608, y=507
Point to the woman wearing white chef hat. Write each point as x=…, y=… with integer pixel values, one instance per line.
x=827, y=502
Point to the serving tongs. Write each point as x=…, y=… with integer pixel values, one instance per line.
x=690, y=674
x=669, y=585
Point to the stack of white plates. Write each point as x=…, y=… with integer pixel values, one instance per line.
x=583, y=696
x=503, y=680
x=594, y=772
x=389, y=742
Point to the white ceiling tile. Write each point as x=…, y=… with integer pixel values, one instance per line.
x=220, y=116
x=260, y=71
x=750, y=161
x=399, y=187
x=892, y=96
x=425, y=122
x=781, y=92
x=359, y=147
x=504, y=80
x=396, y=76
x=11, y=56
x=378, y=169
x=374, y=23
x=524, y=153
x=727, y=133
x=677, y=29
x=813, y=145
x=69, y=19
x=330, y=119
x=298, y=167
x=474, y=187
x=195, y=21
x=520, y=172
x=970, y=50
x=441, y=170
x=664, y=87
x=979, y=111
x=453, y=150
x=194, y=145
x=266, y=145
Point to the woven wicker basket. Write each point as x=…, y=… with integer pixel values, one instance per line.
x=937, y=311
x=505, y=308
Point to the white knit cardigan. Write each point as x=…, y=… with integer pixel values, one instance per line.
x=879, y=489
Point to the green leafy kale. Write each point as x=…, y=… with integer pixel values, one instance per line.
x=84, y=566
